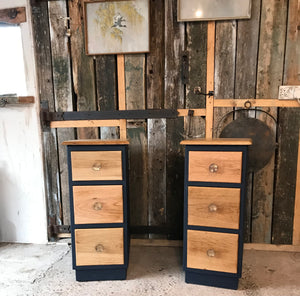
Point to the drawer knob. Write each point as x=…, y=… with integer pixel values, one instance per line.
x=97, y=206
x=96, y=166
x=99, y=248
x=212, y=208
x=211, y=253
x=213, y=168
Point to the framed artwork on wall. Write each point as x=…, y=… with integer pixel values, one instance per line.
x=116, y=27
x=203, y=10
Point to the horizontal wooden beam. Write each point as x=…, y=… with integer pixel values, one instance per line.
x=155, y=243
x=197, y=112
x=13, y=15
x=14, y=100
x=84, y=123
x=247, y=103
x=271, y=247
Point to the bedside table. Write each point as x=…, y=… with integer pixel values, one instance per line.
x=98, y=204
x=214, y=191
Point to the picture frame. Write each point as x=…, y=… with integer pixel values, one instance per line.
x=206, y=10
x=116, y=26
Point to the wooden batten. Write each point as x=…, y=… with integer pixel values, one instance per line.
x=84, y=123
x=122, y=93
x=197, y=112
x=296, y=229
x=13, y=15
x=256, y=103
x=210, y=78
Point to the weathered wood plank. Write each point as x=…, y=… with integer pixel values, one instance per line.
x=157, y=171
x=174, y=99
x=83, y=68
x=156, y=128
x=62, y=92
x=155, y=59
x=289, y=124
x=196, y=48
x=225, y=51
x=137, y=134
x=245, y=85
x=106, y=88
x=269, y=78
x=13, y=15
x=41, y=35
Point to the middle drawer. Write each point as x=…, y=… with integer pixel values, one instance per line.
x=214, y=207
x=98, y=204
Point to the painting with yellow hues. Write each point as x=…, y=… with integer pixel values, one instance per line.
x=116, y=27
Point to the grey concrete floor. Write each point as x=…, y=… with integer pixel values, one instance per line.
x=46, y=270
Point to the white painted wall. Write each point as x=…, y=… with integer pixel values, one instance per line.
x=23, y=215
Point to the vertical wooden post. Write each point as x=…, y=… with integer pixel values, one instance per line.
x=210, y=78
x=296, y=228
x=121, y=93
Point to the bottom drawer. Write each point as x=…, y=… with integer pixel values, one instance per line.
x=212, y=251
x=99, y=246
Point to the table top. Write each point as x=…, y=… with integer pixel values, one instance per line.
x=217, y=141
x=96, y=142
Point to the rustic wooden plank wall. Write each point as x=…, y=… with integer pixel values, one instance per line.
x=252, y=58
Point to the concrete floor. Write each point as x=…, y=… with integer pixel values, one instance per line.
x=46, y=270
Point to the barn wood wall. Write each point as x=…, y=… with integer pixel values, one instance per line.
x=252, y=59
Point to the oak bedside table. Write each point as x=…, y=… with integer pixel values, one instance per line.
x=214, y=191
x=98, y=205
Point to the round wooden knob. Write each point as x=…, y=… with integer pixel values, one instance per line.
x=96, y=166
x=97, y=206
x=211, y=253
x=213, y=168
x=212, y=208
x=99, y=248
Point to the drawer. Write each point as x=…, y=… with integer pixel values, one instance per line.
x=212, y=251
x=215, y=166
x=98, y=204
x=214, y=207
x=99, y=246
x=96, y=165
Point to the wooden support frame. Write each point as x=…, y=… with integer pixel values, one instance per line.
x=296, y=230
x=122, y=94
x=13, y=15
x=211, y=32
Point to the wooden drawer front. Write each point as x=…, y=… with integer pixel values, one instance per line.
x=96, y=165
x=212, y=251
x=215, y=166
x=99, y=246
x=98, y=204
x=214, y=207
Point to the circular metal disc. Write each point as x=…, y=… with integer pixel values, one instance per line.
x=263, y=140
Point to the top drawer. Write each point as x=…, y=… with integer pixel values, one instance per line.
x=96, y=165
x=215, y=166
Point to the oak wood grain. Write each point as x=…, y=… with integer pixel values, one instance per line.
x=214, y=207
x=99, y=246
x=98, y=204
x=229, y=166
x=96, y=165
x=224, y=246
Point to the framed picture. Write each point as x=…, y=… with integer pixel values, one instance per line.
x=203, y=10
x=116, y=27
